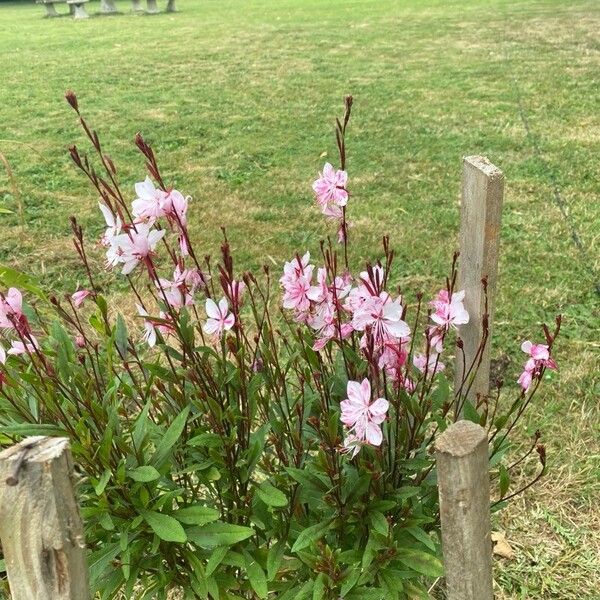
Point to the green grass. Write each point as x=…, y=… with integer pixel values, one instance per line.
x=238, y=97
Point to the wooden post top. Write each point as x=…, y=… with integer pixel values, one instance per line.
x=485, y=166
x=37, y=448
x=461, y=438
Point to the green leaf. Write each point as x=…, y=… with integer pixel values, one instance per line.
x=121, y=336
x=218, y=534
x=310, y=535
x=102, y=482
x=350, y=580
x=504, y=480
x=319, y=587
x=308, y=480
x=270, y=495
x=144, y=474
x=256, y=576
x=422, y=536
x=165, y=527
x=379, y=522
x=196, y=515
x=169, y=439
x=274, y=558
x=421, y=562
x=99, y=561
x=11, y=278
x=216, y=556
x=470, y=413
x=26, y=429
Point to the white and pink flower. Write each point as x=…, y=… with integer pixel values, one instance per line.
x=539, y=358
x=79, y=297
x=449, y=311
x=134, y=247
x=362, y=416
x=219, y=318
x=330, y=190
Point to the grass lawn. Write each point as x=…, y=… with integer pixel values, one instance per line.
x=238, y=97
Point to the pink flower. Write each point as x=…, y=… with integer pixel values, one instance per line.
x=297, y=267
x=149, y=204
x=175, y=206
x=525, y=379
x=11, y=312
x=430, y=365
x=449, y=311
x=362, y=415
x=219, y=317
x=393, y=358
x=330, y=190
x=352, y=445
x=296, y=294
x=435, y=337
x=79, y=297
x=235, y=290
x=18, y=347
x=539, y=357
x=113, y=224
x=151, y=326
x=136, y=245
x=383, y=316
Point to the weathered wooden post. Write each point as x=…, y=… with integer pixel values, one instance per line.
x=40, y=527
x=463, y=482
x=481, y=214
x=171, y=6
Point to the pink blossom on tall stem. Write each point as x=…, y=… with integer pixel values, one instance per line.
x=148, y=206
x=235, y=290
x=11, y=312
x=330, y=190
x=219, y=317
x=136, y=245
x=539, y=357
x=430, y=365
x=151, y=327
x=113, y=224
x=383, y=315
x=361, y=415
x=178, y=293
x=79, y=297
x=19, y=347
x=449, y=310
x=297, y=267
x=352, y=445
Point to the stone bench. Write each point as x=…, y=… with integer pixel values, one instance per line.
x=107, y=7
x=153, y=7
x=76, y=8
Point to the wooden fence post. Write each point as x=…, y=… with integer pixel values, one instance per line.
x=481, y=214
x=40, y=527
x=463, y=482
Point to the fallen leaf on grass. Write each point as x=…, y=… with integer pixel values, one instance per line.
x=501, y=546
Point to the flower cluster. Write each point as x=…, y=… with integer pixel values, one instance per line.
x=13, y=321
x=539, y=358
x=362, y=417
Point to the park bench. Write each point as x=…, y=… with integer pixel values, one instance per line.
x=76, y=7
x=107, y=7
